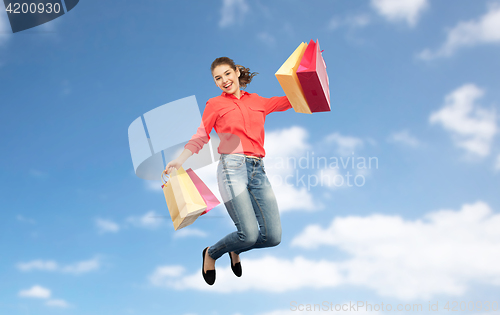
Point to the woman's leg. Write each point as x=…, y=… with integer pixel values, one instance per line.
x=265, y=208
x=232, y=176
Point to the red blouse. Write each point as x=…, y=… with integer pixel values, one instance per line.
x=239, y=123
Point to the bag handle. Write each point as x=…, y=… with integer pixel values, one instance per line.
x=163, y=174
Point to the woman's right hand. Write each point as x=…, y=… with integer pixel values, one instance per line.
x=177, y=163
x=171, y=165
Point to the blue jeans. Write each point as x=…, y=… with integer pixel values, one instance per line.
x=250, y=201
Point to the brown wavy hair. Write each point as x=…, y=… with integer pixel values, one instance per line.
x=245, y=75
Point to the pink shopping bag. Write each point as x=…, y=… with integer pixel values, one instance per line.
x=314, y=79
x=205, y=192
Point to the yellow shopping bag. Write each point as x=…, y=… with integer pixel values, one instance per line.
x=287, y=77
x=184, y=202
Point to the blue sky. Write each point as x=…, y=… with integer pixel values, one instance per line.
x=414, y=86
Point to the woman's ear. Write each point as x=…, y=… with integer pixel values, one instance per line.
x=238, y=71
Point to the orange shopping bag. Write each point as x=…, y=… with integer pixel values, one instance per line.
x=287, y=77
x=184, y=202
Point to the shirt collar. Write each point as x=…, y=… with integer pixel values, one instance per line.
x=232, y=96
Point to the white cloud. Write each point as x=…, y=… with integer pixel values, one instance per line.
x=189, y=232
x=163, y=272
x=107, y=226
x=331, y=178
x=268, y=274
x=412, y=259
x=266, y=38
x=408, y=11
x=232, y=11
x=50, y=265
x=150, y=220
x=404, y=259
x=57, y=303
x=352, y=21
x=471, y=126
x=287, y=142
x=40, y=292
x=291, y=198
x=82, y=266
x=153, y=185
x=345, y=144
x=284, y=147
x=497, y=163
x=295, y=167
x=405, y=138
x=485, y=30
x=355, y=170
x=360, y=20
x=36, y=291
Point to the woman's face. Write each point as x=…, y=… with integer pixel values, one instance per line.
x=226, y=78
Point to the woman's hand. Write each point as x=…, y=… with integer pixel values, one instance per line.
x=177, y=163
x=173, y=164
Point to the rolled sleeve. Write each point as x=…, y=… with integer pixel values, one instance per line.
x=277, y=104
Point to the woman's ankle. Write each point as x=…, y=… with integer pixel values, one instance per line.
x=235, y=257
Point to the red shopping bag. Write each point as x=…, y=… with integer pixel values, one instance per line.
x=205, y=192
x=314, y=79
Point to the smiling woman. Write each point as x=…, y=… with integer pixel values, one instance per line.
x=225, y=66
x=238, y=117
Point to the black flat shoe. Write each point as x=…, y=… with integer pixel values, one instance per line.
x=236, y=268
x=209, y=276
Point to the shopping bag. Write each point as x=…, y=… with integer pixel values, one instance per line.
x=287, y=77
x=210, y=200
x=314, y=79
x=184, y=202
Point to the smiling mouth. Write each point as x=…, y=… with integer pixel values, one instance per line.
x=227, y=86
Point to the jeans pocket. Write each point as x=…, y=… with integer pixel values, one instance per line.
x=233, y=161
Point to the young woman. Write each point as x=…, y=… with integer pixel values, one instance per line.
x=238, y=118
